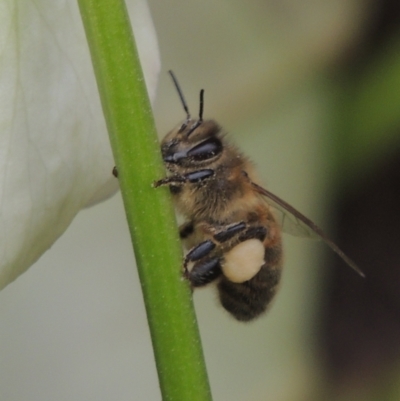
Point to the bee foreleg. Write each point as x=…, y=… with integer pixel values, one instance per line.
x=193, y=177
x=172, y=180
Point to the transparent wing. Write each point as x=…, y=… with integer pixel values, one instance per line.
x=289, y=223
x=295, y=223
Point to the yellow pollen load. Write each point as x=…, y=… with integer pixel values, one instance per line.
x=243, y=261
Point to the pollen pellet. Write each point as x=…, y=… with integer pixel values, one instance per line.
x=243, y=261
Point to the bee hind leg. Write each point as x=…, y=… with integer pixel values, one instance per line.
x=206, y=268
x=253, y=232
x=241, y=232
x=204, y=272
x=198, y=252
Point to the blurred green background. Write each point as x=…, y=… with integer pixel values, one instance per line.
x=311, y=91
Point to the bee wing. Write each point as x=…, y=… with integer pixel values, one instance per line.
x=295, y=223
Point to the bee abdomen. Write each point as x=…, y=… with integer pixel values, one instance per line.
x=246, y=301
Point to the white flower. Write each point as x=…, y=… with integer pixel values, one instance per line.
x=55, y=156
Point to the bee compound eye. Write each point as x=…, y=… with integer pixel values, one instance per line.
x=206, y=149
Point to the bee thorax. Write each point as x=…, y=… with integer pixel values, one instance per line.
x=243, y=261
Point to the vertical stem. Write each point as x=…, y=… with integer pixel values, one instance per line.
x=173, y=327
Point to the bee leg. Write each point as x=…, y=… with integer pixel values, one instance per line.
x=172, y=180
x=207, y=268
x=193, y=177
x=196, y=253
x=242, y=231
x=230, y=231
x=253, y=232
x=204, y=272
x=186, y=230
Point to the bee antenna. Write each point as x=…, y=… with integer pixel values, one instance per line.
x=178, y=88
x=201, y=105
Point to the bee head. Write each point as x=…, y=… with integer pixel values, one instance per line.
x=195, y=142
x=189, y=147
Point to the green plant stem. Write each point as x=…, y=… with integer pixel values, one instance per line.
x=173, y=327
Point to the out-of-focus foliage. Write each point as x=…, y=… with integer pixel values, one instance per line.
x=368, y=118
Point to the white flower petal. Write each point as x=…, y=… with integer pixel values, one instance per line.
x=55, y=156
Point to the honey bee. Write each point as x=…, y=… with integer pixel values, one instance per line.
x=233, y=225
